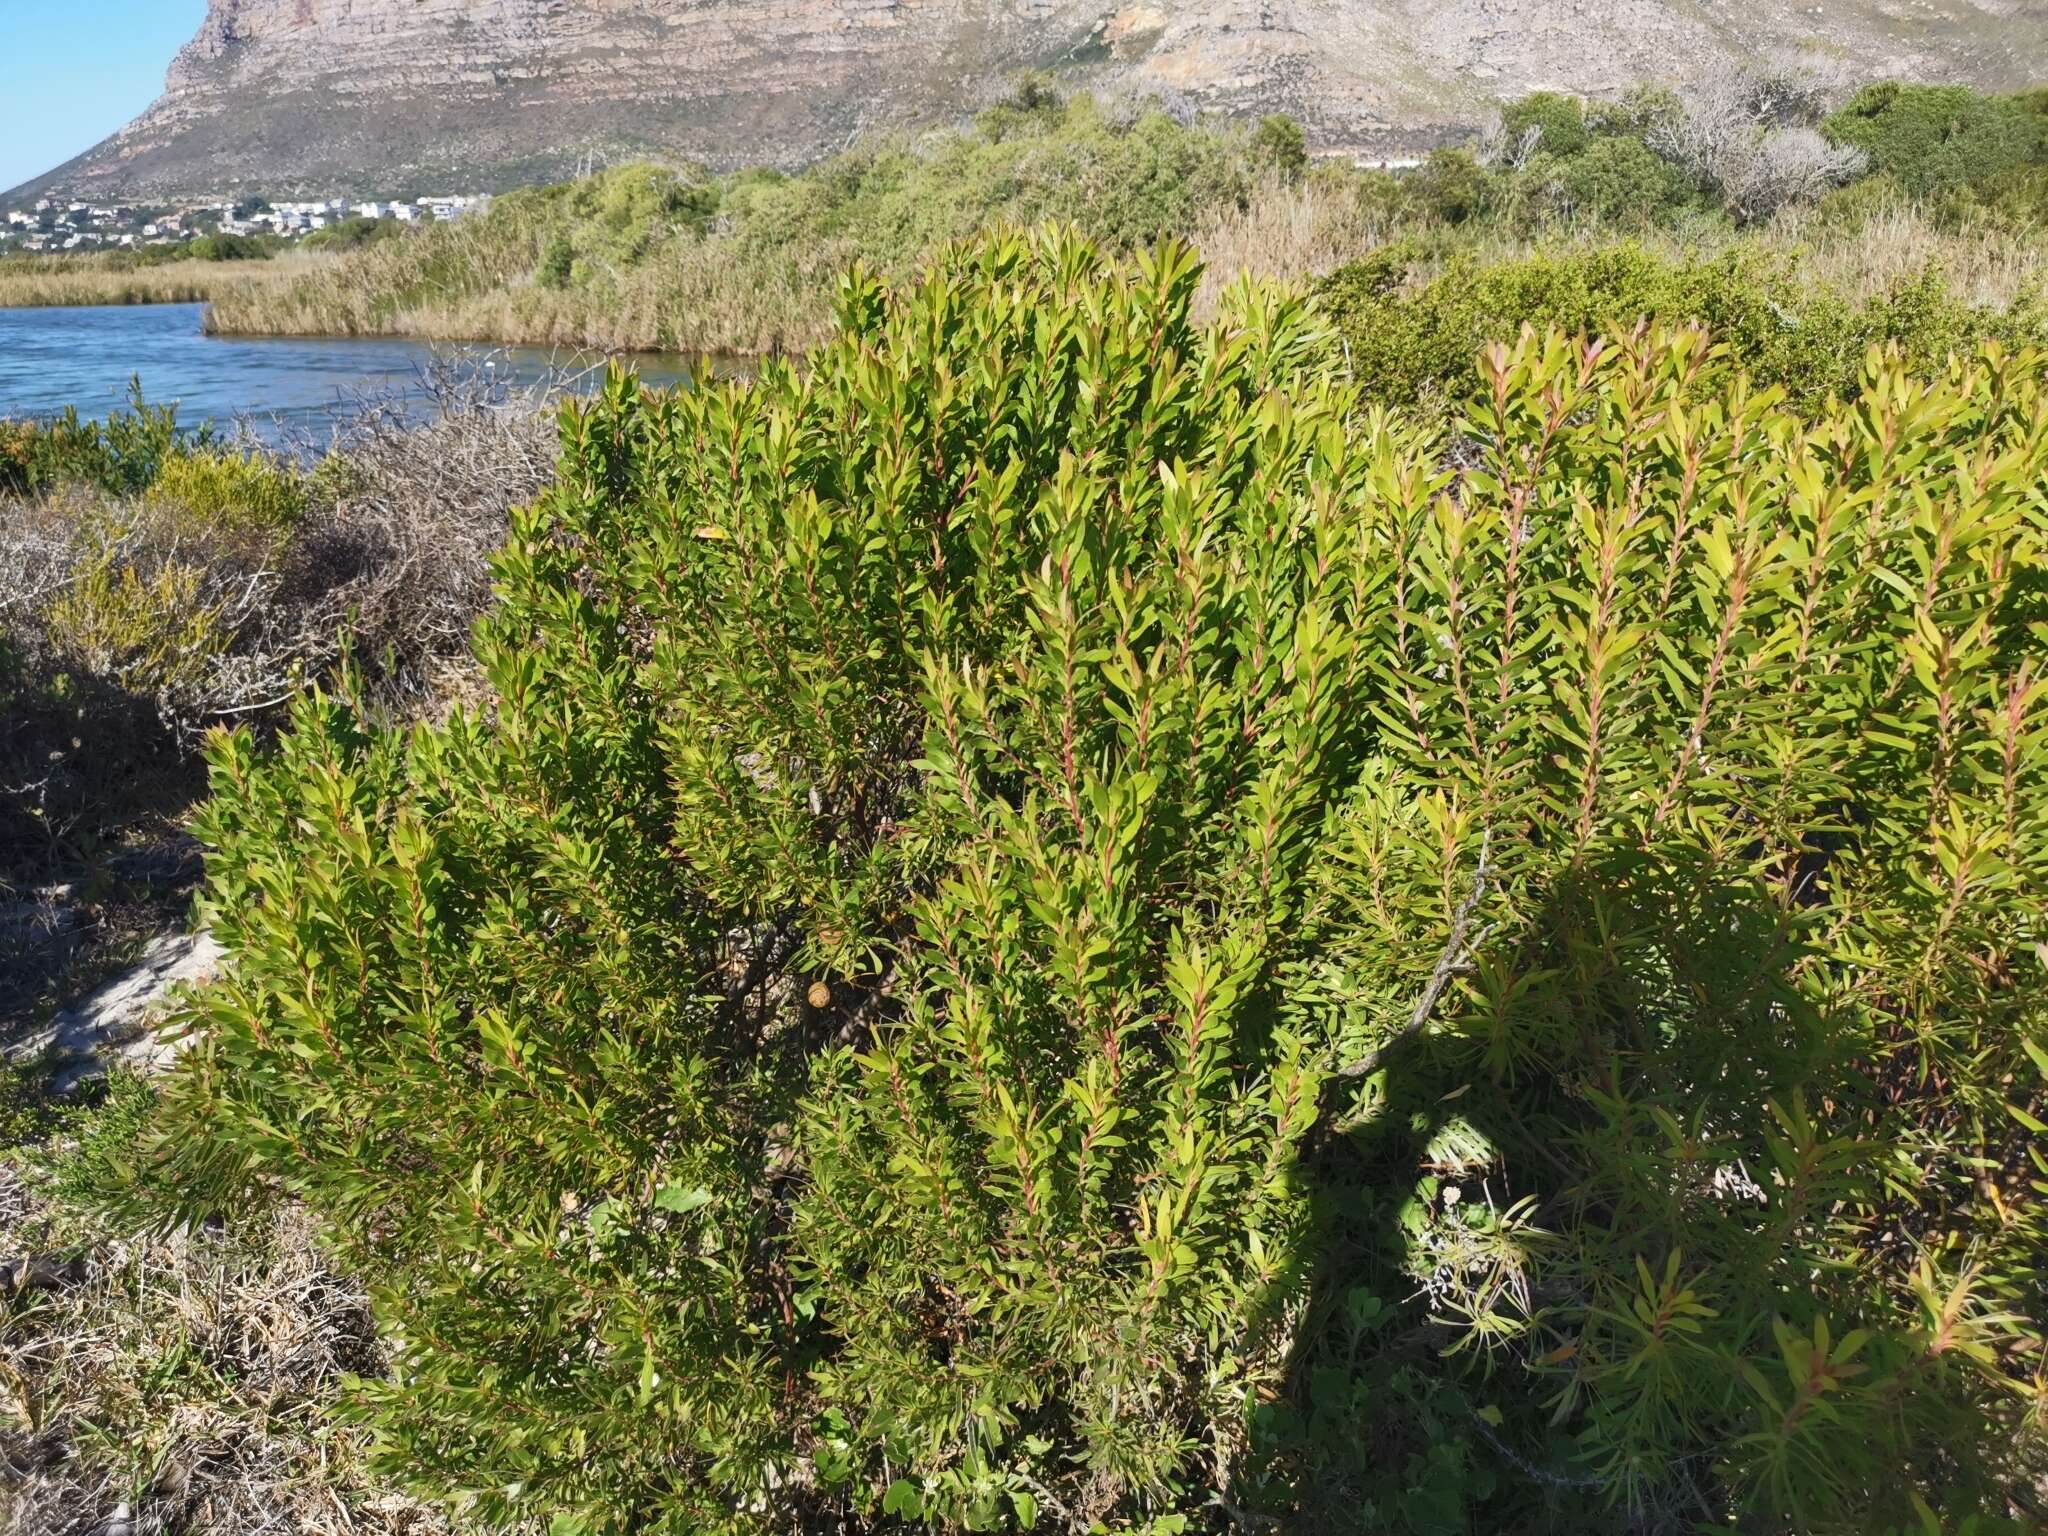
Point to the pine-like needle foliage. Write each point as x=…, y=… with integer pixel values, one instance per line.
x=1053, y=923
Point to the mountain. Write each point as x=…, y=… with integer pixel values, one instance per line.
x=383, y=97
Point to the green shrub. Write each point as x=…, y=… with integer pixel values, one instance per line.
x=1636, y=114
x=1054, y=924
x=1616, y=181
x=1453, y=186
x=225, y=247
x=1931, y=138
x=1282, y=144
x=1413, y=344
x=154, y=630
x=352, y=234
x=233, y=492
x=19, y=455
x=120, y=453
x=1558, y=122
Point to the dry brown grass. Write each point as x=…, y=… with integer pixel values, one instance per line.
x=186, y=1384
x=456, y=284
x=1294, y=233
x=78, y=280
x=1988, y=265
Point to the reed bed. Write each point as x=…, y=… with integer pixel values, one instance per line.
x=72, y=281
x=1293, y=232
x=719, y=293
x=690, y=295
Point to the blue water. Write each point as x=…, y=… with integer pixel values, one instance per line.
x=51, y=358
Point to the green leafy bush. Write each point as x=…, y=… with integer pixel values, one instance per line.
x=1617, y=182
x=1408, y=344
x=1056, y=923
x=1452, y=185
x=231, y=492
x=1932, y=138
x=224, y=247
x=1282, y=144
x=352, y=233
x=1556, y=122
x=119, y=453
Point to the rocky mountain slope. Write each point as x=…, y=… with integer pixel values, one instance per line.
x=394, y=96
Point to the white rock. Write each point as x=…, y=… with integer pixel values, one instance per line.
x=117, y=1024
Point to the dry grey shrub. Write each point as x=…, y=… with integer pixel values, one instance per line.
x=1749, y=137
x=1496, y=150
x=397, y=561
x=387, y=562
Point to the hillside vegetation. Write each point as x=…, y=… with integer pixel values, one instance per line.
x=1854, y=203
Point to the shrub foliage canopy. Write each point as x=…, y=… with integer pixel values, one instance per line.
x=1055, y=922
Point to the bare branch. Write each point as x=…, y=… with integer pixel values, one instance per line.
x=1455, y=959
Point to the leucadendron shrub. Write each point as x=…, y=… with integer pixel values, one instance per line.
x=1053, y=924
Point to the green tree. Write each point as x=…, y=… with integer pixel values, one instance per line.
x=1616, y=181
x=1932, y=138
x=1282, y=144
x=1454, y=186
x=1558, y=121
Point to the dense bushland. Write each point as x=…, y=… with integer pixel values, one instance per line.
x=647, y=257
x=1409, y=342
x=642, y=257
x=1057, y=922
x=1944, y=139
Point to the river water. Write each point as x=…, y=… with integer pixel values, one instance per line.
x=282, y=388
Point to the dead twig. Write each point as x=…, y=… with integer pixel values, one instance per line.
x=1454, y=961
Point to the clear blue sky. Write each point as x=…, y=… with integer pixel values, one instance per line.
x=72, y=71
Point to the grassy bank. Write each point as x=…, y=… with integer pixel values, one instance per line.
x=30, y=281
x=673, y=259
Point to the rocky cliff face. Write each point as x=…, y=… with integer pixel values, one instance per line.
x=393, y=96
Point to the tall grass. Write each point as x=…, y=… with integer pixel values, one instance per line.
x=1987, y=264
x=1294, y=231
x=727, y=290
x=643, y=257
x=69, y=281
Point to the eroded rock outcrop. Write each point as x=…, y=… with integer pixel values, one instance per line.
x=382, y=97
